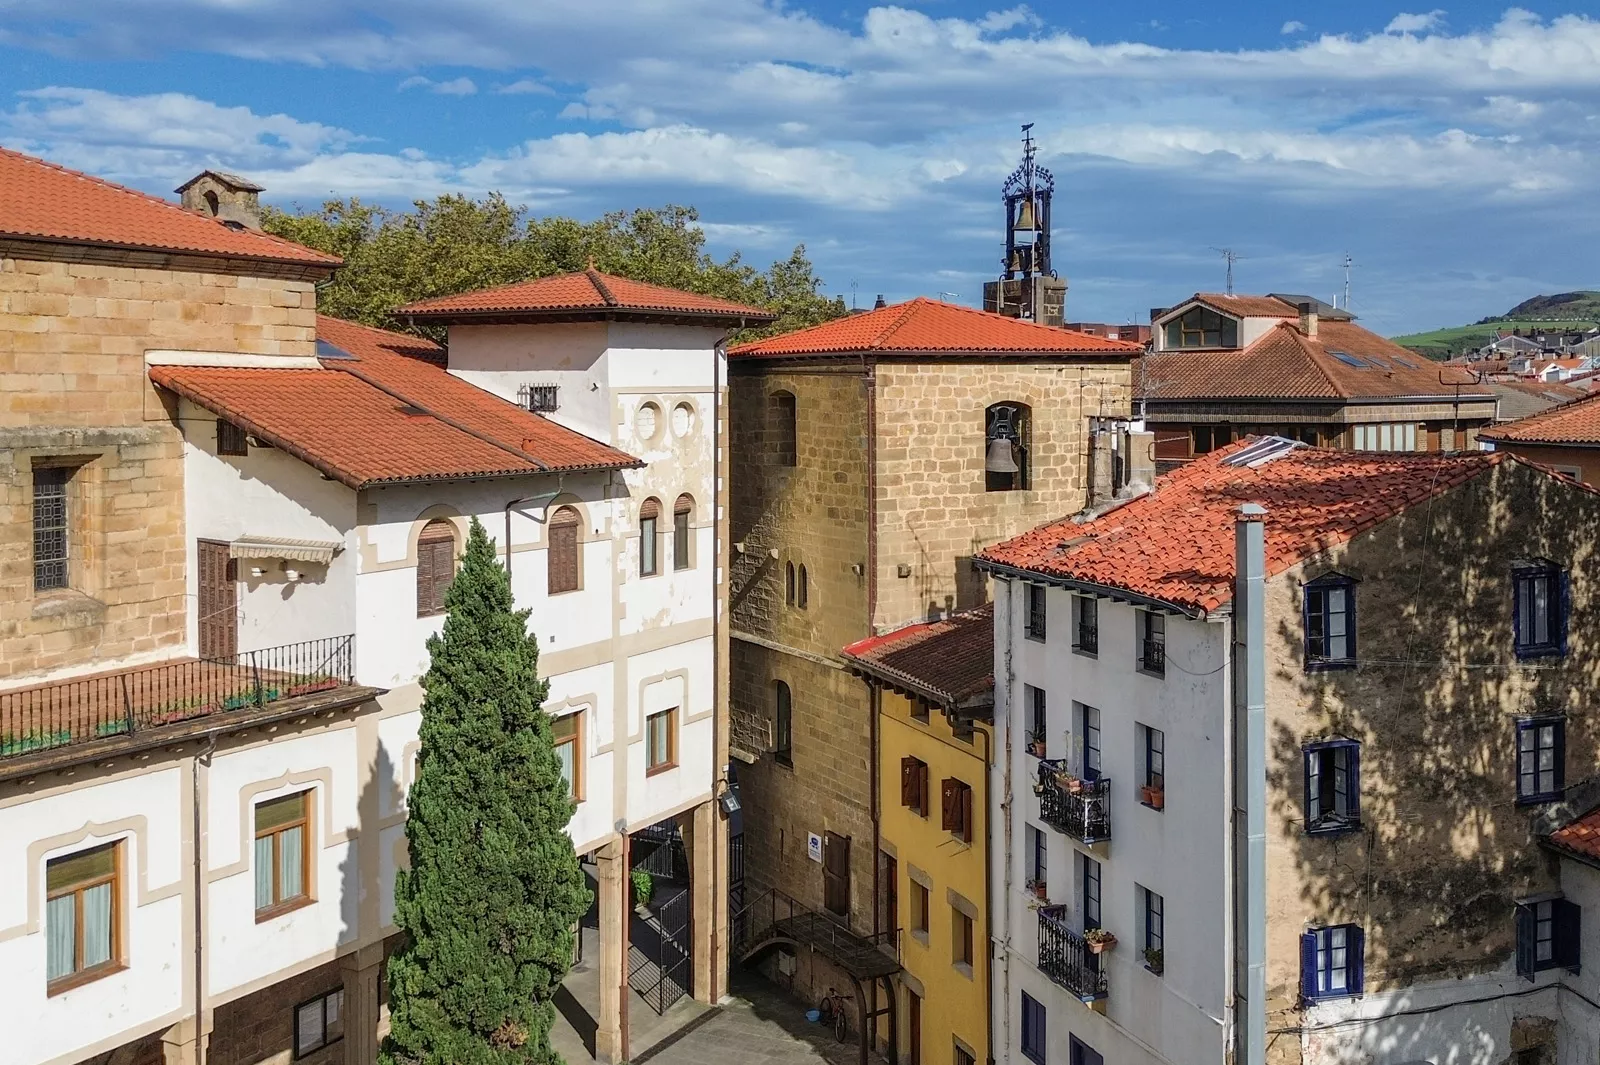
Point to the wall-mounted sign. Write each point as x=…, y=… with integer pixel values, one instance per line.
x=814, y=846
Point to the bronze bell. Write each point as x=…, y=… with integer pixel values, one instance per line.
x=1016, y=260
x=1025, y=219
x=1001, y=459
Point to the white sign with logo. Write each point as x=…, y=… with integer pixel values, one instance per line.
x=814, y=846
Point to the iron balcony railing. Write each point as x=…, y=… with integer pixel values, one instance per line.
x=1088, y=638
x=1077, y=806
x=1066, y=959
x=1153, y=656
x=129, y=701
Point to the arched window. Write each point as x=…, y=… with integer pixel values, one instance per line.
x=788, y=583
x=802, y=592
x=781, y=432
x=782, y=725
x=682, y=510
x=565, y=563
x=649, y=538
x=436, y=566
x=1006, y=447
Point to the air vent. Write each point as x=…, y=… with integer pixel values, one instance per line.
x=540, y=399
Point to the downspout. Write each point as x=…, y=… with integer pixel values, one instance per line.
x=870, y=372
x=988, y=888
x=719, y=780
x=1002, y=707
x=1250, y=694
x=199, y=905
x=1232, y=831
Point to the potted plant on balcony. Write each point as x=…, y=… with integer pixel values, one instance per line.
x=1037, y=887
x=1153, y=795
x=1099, y=940
x=1036, y=744
x=644, y=886
x=1152, y=959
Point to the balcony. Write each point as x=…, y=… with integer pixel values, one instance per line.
x=1067, y=960
x=132, y=702
x=1081, y=808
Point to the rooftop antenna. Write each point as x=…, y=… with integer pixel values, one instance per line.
x=855, y=286
x=1230, y=257
x=1348, y=263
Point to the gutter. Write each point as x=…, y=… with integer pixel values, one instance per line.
x=1005, y=571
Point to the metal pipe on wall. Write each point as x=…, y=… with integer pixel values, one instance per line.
x=1250, y=695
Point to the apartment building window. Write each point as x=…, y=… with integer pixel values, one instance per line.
x=1539, y=609
x=1089, y=740
x=836, y=873
x=82, y=916
x=1333, y=785
x=782, y=724
x=1205, y=439
x=565, y=564
x=921, y=901
x=781, y=429
x=913, y=1028
x=1036, y=612
x=566, y=733
x=914, y=785
x=1033, y=1029
x=1386, y=437
x=963, y=1056
x=961, y=939
x=682, y=511
x=1548, y=934
x=50, y=535
x=231, y=439
x=649, y=538
x=282, y=868
x=1081, y=1053
x=1541, y=759
x=436, y=566
x=1152, y=765
x=1005, y=447
x=1202, y=328
x=1038, y=720
x=318, y=1023
x=661, y=741
x=1086, y=624
x=1152, y=928
x=1089, y=890
x=1153, y=642
x=956, y=808
x=1331, y=962
x=1330, y=623
x=1038, y=855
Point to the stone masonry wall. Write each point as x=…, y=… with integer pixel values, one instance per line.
x=258, y=1029
x=933, y=511
x=73, y=391
x=1443, y=850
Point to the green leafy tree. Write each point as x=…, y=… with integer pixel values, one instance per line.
x=455, y=244
x=494, y=886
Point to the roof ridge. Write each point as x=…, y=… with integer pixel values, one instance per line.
x=596, y=279
x=908, y=308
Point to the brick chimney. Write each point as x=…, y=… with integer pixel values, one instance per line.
x=1308, y=319
x=229, y=198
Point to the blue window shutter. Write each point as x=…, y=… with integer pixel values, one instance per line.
x=1305, y=621
x=1568, y=933
x=1561, y=754
x=1564, y=607
x=1350, y=619
x=1516, y=613
x=1525, y=942
x=1308, y=967
x=1356, y=940
x=1313, y=810
x=1355, y=787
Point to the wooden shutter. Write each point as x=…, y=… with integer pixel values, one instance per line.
x=436, y=567
x=1355, y=941
x=563, y=560
x=1308, y=967
x=1567, y=930
x=950, y=804
x=922, y=788
x=836, y=873
x=966, y=813
x=908, y=782
x=1526, y=934
x=217, y=601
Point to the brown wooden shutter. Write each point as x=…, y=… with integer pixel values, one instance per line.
x=650, y=508
x=217, y=601
x=436, y=567
x=908, y=782
x=922, y=788
x=949, y=804
x=966, y=817
x=563, y=562
x=836, y=873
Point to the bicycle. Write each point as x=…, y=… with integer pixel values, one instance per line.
x=831, y=1011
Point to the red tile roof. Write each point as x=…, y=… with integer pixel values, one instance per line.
x=392, y=413
x=1176, y=544
x=949, y=661
x=1342, y=362
x=1248, y=306
x=584, y=292
x=1575, y=422
x=1580, y=836
x=924, y=325
x=43, y=202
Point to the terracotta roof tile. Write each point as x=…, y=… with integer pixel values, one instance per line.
x=1176, y=544
x=1248, y=306
x=924, y=325
x=43, y=201
x=1580, y=836
x=1573, y=422
x=1343, y=361
x=587, y=291
x=390, y=413
x=949, y=661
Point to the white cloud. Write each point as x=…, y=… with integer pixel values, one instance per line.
x=454, y=87
x=1409, y=23
x=1293, y=26
x=526, y=87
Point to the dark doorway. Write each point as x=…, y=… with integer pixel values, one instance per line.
x=218, y=601
x=659, y=935
x=836, y=874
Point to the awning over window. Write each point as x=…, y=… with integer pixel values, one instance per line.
x=282, y=547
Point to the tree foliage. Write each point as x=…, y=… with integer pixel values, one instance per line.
x=455, y=244
x=494, y=886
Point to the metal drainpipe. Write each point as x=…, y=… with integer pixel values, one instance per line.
x=199, y=895
x=720, y=770
x=1005, y=812
x=988, y=889
x=1250, y=694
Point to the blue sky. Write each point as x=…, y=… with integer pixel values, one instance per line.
x=1453, y=153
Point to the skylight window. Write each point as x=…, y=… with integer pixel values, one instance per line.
x=1348, y=359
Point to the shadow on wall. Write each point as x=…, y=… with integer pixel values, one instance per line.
x=1442, y=849
x=354, y=887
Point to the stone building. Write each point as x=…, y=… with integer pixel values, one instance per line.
x=1565, y=437
x=1307, y=794
x=875, y=456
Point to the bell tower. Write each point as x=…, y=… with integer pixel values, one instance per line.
x=1028, y=287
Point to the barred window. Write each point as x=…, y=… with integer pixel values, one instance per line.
x=50, y=526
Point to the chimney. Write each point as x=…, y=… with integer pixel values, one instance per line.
x=879, y=305
x=1308, y=319
x=230, y=199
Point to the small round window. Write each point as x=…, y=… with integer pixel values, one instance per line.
x=682, y=419
x=647, y=421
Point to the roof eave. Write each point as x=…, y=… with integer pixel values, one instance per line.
x=507, y=316
x=906, y=683
x=317, y=268
x=1108, y=591
x=493, y=475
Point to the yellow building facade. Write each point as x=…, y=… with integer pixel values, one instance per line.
x=932, y=693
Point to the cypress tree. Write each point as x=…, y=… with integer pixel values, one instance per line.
x=494, y=885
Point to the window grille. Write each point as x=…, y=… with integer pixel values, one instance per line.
x=540, y=399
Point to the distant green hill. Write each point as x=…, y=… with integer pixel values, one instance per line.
x=1572, y=310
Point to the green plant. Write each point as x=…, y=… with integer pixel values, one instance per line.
x=644, y=886
x=1152, y=958
x=494, y=889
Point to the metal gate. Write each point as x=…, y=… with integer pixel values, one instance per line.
x=736, y=886
x=659, y=851
x=660, y=969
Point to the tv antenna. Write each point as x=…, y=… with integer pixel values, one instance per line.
x=1348, y=263
x=855, y=286
x=1230, y=257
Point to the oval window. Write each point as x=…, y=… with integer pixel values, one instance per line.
x=646, y=421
